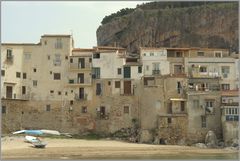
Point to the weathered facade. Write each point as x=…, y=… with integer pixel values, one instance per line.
x=174, y=94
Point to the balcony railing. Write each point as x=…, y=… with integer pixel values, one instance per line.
x=78, y=66
x=196, y=74
x=156, y=72
x=80, y=97
x=78, y=81
x=9, y=59
x=204, y=89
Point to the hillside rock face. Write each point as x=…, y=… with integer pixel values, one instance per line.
x=211, y=25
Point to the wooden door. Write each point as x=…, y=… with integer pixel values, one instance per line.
x=9, y=90
x=127, y=87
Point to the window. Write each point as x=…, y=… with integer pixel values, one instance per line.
x=71, y=81
x=209, y=103
x=48, y=107
x=4, y=109
x=50, y=72
x=151, y=54
x=90, y=60
x=225, y=87
x=48, y=57
x=200, y=53
x=57, y=76
x=179, y=87
x=204, y=121
x=139, y=69
x=66, y=57
x=66, y=93
x=218, y=54
x=225, y=71
x=9, y=53
x=117, y=84
x=23, y=89
x=27, y=56
x=24, y=75
x=45, y=42
x=84, y=109
x=34, y=83
x=3, y=72
x=109, y=83
x=144, y=54
x=71, y=91
x=232, y=118
x=71, y=60
x=169, y=120
x=195, y=103
x=18, y=74
x=96, y=56
x=58, y=44
x=147, y=67
x=182, y=106
x=71, y=102
x=178, y=54
x=98, y=89
x=34, y=70
x=126, y=109
x=203, y=69
x=52, y=91
x=59, y=92
x=96, y=73
x=119, y=71
x=57, y=61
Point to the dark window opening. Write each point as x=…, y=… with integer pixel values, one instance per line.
x=109, y=83
x=57, y=76
x=34, y=70
x=4, y=109
x=96, y=55
x=52, y=91
x=126, y=109
x=3, y=72
x=18, y=74
x=66, y=57
x=139, y=69
x=24, y=75
x=98, y=89
x=119, y=71
x=71, y=102
x=71, y=60
x=117, y=84
x=169, y=120
x=84, y=109
x=59, y=92
x=48, y=107
x=23, y=89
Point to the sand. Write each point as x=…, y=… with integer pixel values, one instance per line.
x=16, y=148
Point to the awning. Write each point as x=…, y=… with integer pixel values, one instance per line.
x=177, y=99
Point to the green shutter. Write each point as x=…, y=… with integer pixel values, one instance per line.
x=127, y=72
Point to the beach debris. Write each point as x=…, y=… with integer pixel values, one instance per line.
x=39, y=144
x=200, y=145
x=211, y=140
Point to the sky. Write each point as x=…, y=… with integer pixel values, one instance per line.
x=25, y=22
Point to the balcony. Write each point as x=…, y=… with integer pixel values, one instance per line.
x=206, y=89
x=78, y=66
x=79, y=82
x=195, y=74
x=156, y=72
x=24, y=97
x=9, y=59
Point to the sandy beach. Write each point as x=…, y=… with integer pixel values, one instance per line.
x=16, y=148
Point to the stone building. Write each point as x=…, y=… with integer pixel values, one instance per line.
x=174, y=94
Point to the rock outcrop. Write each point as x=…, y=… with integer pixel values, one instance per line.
x=212, y=25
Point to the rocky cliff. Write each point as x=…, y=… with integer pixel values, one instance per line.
x=205, y=25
